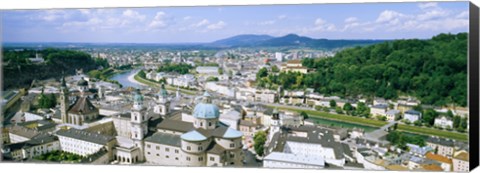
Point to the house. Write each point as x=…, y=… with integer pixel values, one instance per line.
x=445, y=162
x=412, y=115
x=392, y=114
x=294, y=66
x=379, y=110
x=443, y=146
x=37, y=146
x=419, y=151
x=91, y=143
x=207, y=70
x=443, y=122
x=461, y=161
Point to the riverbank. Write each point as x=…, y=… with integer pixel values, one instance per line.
x=131, y=78
x=146, y=82
x=376, y=123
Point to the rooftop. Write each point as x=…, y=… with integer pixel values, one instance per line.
x=85, y=136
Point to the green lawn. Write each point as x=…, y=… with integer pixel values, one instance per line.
x=168, y=87
x=376, y=123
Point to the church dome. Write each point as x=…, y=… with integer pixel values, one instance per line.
x=137, y=97
x=82, y=82
x=206, y=111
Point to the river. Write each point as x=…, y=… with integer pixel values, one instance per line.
x=122, y=78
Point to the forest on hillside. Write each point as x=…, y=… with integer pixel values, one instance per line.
x=19, y=71
x=432, y=70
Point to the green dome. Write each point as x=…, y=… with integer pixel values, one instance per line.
x=82, y=82
x=138, y=96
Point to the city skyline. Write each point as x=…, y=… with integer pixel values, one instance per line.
x=207, y=24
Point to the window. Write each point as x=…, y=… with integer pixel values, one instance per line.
x=135, y=118
x=188, y=158
x=158, y=147
x=209, y=123
x=167, y=156
x=176, y=151
x=158, y=154
x=232, y=155
x=200, y=159
x=232, y=145
x=167, y=149
x=212, y=158
x=189, y=148
x=200, y=148
x=201, y=124
x=176, y=158
x=148, y=153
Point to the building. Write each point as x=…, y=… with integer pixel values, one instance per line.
x=205, y=142
x=84, y=143
x=379, y=110
x=443, y=122
x=443, y=146
x=412, y=115
x=82, y=111
x=446, y=163
x=461, y=161
x=279, y=56
x=294, y=66
x=392, y=114
x=19, y=134
x=306, y=142
x=163, y=104
x=207, y=70
x=37, y=146
x=231, y=118
x=289, y=160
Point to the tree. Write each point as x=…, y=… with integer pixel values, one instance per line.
x=142, y=74
x=259, y=140
x=347, y=107
x=450, y=113
x=263, y=72
x=304, y=115
x=220, y=71
x=429, y=116
x=275, y=69
x=333, y=103
x=338, y=110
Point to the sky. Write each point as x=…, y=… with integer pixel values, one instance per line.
x=207, y=24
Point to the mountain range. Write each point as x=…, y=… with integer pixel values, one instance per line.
x=290, y=40
x=247, y=41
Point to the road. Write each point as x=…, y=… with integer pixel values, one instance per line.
x=250, y=159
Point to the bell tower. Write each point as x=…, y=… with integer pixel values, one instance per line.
x=64, y=101
x=139, y=122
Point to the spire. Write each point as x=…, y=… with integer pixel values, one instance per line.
x=207, y=98
x=64, y=84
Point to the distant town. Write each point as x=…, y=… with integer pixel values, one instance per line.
x=234, y=107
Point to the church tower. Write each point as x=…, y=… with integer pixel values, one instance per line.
x=64, y=102
x=206, y=114
x=163, y=104
x=139, y=122
x=275, y=124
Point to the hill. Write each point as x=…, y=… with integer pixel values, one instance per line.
x=432, y=70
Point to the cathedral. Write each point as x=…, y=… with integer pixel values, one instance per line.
x=82, y=110
x=205, y=142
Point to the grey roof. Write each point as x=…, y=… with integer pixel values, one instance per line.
x=380, y=106
x=85, y=136
x=347, y=151
x=38, y=140
x=165, y=138
x=23, y=131
x=214, y=148
x=314, y=137
x=413, y=112
x=441, y=141
x=174, y=125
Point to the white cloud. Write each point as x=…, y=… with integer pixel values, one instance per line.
x=463, y=14
x=351, y=20
x=268, y=22
x=133, y=15
x=187, y=17
x=322, y=25
x=281, y=17
x=218, y=25
x=427, y=5
x=390, y=16
x=53, y=15
x=158, y=21
x=201, y=23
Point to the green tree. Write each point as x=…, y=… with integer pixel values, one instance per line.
x=263, y=72
x=142, y=74
x=304, y=115
x=333, y=103
x=275, y=69
x=259, y=140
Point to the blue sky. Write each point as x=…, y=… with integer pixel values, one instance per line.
x=206, y=24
